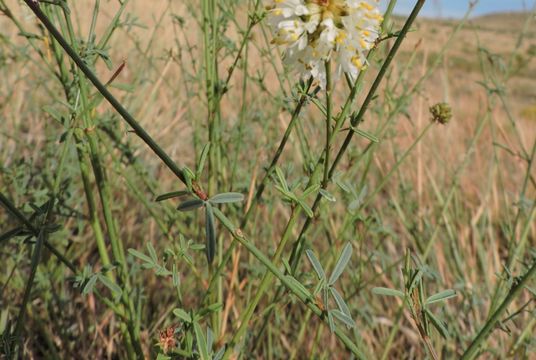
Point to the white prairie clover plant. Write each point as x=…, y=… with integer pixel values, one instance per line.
x=315, y=31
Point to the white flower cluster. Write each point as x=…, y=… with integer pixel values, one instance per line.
x=314, y=31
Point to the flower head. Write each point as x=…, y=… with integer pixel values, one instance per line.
x=166, y=339
x=441, y=113
x=314, y=31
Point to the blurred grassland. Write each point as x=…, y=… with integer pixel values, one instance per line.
x=162, y=85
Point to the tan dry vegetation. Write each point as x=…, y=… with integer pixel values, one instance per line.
x=488, y=187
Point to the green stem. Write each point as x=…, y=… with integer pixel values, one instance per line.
x=392, y=334
x=8, y=205
x=453, y=188
x=288, y=281
x=266, y=281
x=83, y=162
x=237, y=234
x=395, y=168
x=297, y=249
x=528, y=331
x=328, y=123
x=253, y=20
x=298, y=245
x=36, y=259
x=262, y=185
x=293, y=120
x=372, y=92
x=133, y=344
x=483, y=334
x=210, y=35
x=400, y=104
x=42, y=238
x=138, y=129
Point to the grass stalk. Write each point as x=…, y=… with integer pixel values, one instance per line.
x=178, y=171
x=472, y=351
x=329, y=106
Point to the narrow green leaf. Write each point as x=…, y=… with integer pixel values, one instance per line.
x=202, y=160
x=215, y=307
x=310, y=190
x=343, y=185
x=316, y=264
x=387, y=292
x=441, y=296
x=4, y=314
x=171, y=195
x=331, y=322
x=325, y=296
x=210, y=248
x=140, y=255
x=176, y=279
x=286, y=265
x=340, y=301
x=114, y=288
x=183, y=315
x=10, y=234
x=191, y=204
x=189, y=341
x=88, y=288
x=281, y=178
x=365, y=134
x=289, y=195
x=415, y=281
x=438, y=324
x=210, y=339
x=219, y=354
x=149, y=265
x=347, y=320
x=189, y=175
x=327, y=195
x=197, y=247
x=152, y=252
x=54, y=113
x=212, y=308
x=308, y=211
x=122, y=86
x=320, y=106
x=341, y=263
x=229, y=197
x=162, y=271
x=201, y=343
x=298, y=286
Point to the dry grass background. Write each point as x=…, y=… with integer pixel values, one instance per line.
x=484, y=202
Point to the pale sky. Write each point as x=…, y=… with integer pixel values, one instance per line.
x=457, y=8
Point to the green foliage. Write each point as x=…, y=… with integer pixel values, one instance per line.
x=326, y=287
x=107, y=253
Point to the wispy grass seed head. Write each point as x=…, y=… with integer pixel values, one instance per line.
x=314, y=31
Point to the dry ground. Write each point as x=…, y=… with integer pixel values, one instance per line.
x=488, y=189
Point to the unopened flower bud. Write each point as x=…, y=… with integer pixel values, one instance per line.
x=441, y=113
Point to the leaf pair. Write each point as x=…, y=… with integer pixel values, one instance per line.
x=289, y=195
x=210, y=228
x=204, y=343
x=151, y=261
x=327, y=286
x=414, y=283
x=342, y=261
x=204, y=346
x=89, y=280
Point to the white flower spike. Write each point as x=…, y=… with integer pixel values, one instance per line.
x=314, y=31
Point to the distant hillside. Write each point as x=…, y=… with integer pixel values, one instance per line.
x=510, y=22
x=496, y=34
